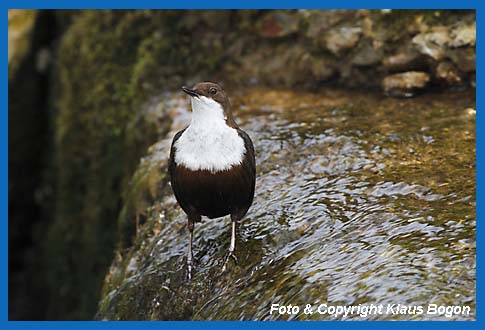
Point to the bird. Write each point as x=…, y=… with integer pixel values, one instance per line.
x=212, y=165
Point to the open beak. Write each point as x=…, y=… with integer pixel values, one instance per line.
x=189, y=91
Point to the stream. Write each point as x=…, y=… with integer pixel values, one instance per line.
x=360, y=199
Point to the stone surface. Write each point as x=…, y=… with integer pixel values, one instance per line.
x=320, y=21
x=278, y=24
x=348, y=198
x=342, y=39
x=321, y=68
x=463, y=35
x=464, y=58
x=404, y=60
x=433, y=43
x=448, y=73
x=367, y=55
x=405, y=84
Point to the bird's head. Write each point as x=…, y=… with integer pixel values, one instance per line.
x=209, y=99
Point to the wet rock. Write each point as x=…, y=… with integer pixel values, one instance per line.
x=278, y=24
x=327, y=161
x=443, y=42
x=342, y=39
x=433, y=43
x=405, y=84
x=463, y=35
x=448, y=73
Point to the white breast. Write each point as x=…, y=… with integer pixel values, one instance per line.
x=209, y=143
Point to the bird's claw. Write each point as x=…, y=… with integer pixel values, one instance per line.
x=229, y=255
x=189, y=272
x=190, y=264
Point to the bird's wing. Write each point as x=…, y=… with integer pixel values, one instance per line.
x=171, y=169
x=171, y=160
x=249, y=162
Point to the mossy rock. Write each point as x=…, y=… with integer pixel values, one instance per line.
x=109, y=65
x=97, y=147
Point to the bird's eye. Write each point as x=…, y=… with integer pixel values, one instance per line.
x=212, y=91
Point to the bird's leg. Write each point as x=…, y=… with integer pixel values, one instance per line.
x=232, y=247
x=190, y=226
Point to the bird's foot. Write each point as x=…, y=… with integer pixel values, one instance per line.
x=189, y=272
x=190, y=266
x=229, y=255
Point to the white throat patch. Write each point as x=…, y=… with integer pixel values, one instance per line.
x=209, y=143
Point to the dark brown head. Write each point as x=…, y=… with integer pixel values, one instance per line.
x=204, y=92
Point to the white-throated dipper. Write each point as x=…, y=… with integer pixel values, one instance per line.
x=212, y=164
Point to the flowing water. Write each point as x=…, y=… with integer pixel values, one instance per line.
x=360, y=199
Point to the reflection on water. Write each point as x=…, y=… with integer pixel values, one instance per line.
x=359, y=200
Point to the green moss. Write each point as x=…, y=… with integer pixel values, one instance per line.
x=95, y=152
x=20, y=24
x=145, y=187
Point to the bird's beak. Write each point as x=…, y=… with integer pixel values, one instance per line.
x=189, y=91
